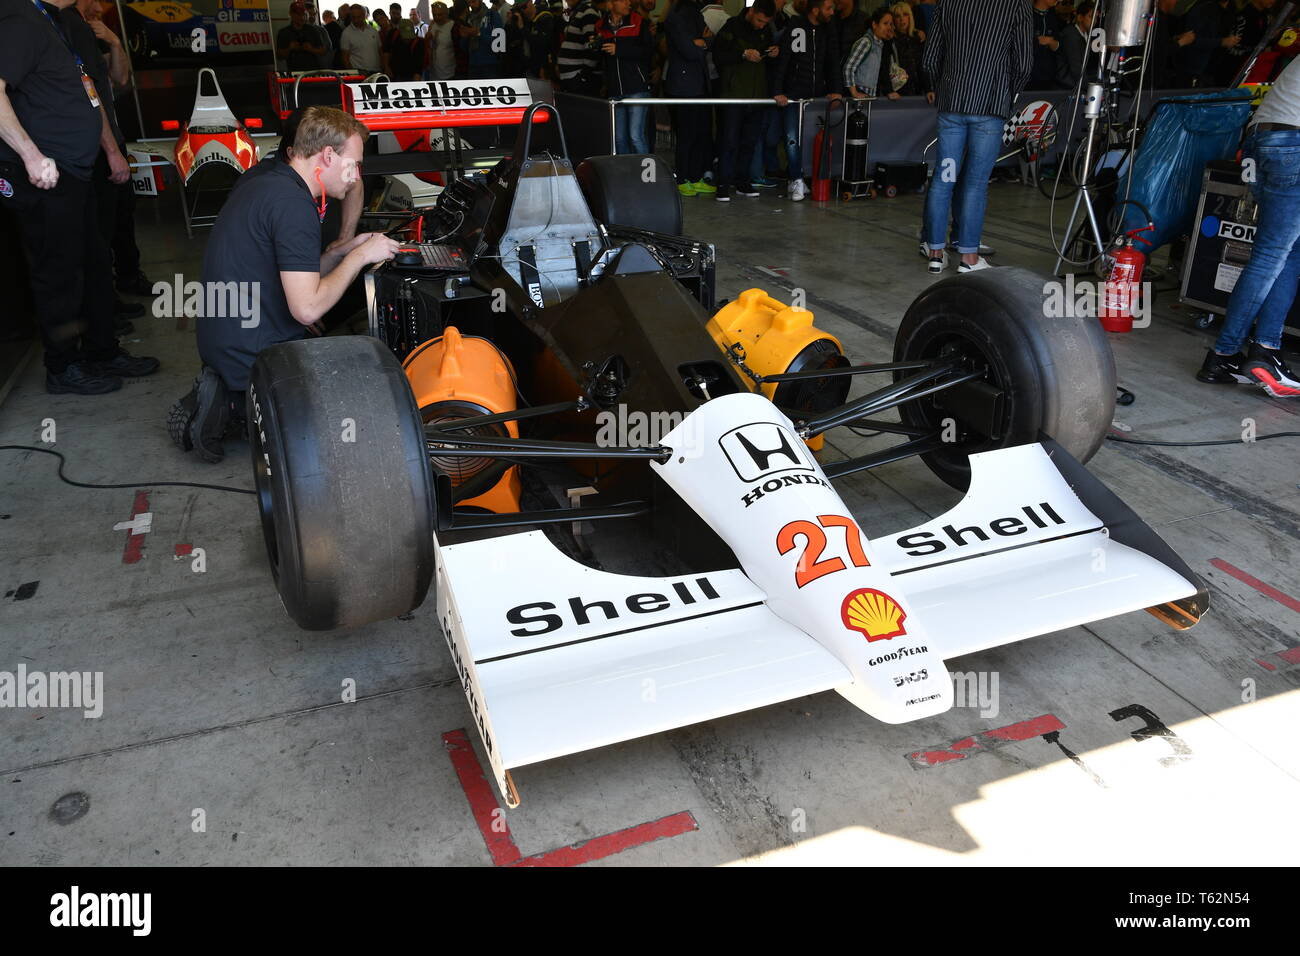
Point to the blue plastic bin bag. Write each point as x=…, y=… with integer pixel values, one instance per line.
x=1182, y=135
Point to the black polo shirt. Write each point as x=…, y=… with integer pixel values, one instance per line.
x=268, y=225
x=86, y=44
x=330, y=226
x=44, y=86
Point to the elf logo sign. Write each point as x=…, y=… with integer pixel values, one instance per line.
x=371, y=98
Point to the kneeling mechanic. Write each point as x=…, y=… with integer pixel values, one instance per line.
x=266, y=250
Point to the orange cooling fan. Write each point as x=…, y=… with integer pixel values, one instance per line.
x=455, y=377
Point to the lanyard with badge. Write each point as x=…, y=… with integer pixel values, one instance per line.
x=86, y=81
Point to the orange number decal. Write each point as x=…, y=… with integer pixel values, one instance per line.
x=809, y=568
x=852, y=537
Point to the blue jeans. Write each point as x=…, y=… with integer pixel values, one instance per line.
x=968, y=148
x=793, y=152
x=630, y=127
x=765, y=152
x=1267, y=285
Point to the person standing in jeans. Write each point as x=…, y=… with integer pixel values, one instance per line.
x=1266, y=287
x=807, y=67
x=688, y=76
x=978, y=57
x=627, y=45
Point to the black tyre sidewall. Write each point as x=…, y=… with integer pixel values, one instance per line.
x=353, y=526
x=1058, y=372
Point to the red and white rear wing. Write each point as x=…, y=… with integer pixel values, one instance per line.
x=557, y=658
x=434, y=104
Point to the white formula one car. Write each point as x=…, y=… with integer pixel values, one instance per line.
x=388, y=460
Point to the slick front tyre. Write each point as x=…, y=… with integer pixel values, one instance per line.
x=1046, y=373
x=344, y=486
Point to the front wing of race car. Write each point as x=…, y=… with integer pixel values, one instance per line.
x=556, y=657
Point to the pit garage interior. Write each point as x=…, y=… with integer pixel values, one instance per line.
x=230, y=736
x=216, y=700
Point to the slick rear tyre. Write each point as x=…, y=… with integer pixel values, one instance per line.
x=625, y=191
x=344, y=485
x=1057, y=374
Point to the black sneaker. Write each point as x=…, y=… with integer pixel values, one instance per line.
x=211, y=414
x=746, y=189
x=236, y=427
x=137, y=284
x=180, y=416
x=125, y=365
x=127, y=310
x=78, y=379
x=1222, y=369
x=724, y=194
x=1268, y=367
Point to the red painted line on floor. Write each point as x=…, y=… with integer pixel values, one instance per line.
x=134, y=549
x=933, y=757
x=1027, y=728
x=1267, y=590
x=482, y=802
x=986, y=740
x=1289, y=658
x=496, y=834
x=616, y=842
x=183, y=550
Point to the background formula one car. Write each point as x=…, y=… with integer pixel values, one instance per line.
x=560, y=305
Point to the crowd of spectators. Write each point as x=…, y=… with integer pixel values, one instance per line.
x=688, y=49
x=781, y=50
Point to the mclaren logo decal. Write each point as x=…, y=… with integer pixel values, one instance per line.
x=537, y=619
x=874, y=614
x=922, y=543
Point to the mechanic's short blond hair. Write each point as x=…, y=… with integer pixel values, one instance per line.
x=323, y=126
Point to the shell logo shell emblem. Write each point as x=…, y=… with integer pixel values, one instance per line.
x=874, y=613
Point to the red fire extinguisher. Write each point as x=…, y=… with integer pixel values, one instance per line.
x=1123, y=280
x=823, y=143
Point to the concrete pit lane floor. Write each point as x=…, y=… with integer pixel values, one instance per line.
x=225, y=737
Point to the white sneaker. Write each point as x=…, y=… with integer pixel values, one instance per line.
x=980, y=263
x=797, y=190
x=936, y=265
x=952, y=247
